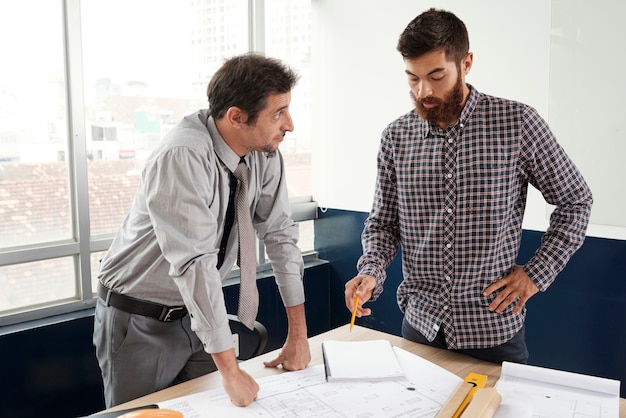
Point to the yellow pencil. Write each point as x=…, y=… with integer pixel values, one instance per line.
x=356, y=305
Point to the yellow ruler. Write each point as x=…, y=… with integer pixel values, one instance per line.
x=459, y=400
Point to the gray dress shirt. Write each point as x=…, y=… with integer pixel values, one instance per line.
x=167, y=247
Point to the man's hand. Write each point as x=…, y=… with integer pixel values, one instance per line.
x=240, y=386
x=363, y=286
x=516, y=285
x=296, y=353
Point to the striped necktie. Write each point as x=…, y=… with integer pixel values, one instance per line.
x=248, y=292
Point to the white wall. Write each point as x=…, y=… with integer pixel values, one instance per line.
x=587, y=90
x=359, y=85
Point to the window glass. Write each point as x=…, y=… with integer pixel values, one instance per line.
x=34, y=180
x=140, y=79
x=288, y=37
x=36, y=283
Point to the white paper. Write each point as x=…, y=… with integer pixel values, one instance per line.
x=430, y=379
x=306, y=394
x=556, y=393
x=360, y=360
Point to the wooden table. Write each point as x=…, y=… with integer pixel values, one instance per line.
x=456, y=363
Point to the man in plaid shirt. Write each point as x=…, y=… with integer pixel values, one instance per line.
x=451, y=188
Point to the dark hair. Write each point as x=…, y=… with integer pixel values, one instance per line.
x=245, y=81
x=432, y=30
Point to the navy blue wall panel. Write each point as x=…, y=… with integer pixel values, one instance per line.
x=578, y=324
x=52, y=371
x=272, y=313
x=338, y=240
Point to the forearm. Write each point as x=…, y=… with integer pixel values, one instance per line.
x=296, y=353
x=381, y=234
x=297, y=322
x=562, y=239
x=380, y=246
x=226, y=362
x=240, y=386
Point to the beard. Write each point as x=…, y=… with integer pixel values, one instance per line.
x=269, y=148
x=447, y=110
x=272, y=146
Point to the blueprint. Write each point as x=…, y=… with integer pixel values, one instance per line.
x=306, y=394
x=555, y=393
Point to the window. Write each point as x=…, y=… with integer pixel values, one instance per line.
x=79, y=117
x=287, y=35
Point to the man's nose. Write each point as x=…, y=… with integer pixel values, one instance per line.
x=288, y=123
x=424, y=90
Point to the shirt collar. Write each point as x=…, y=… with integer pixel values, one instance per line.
x=223, y=151
x=470, y=105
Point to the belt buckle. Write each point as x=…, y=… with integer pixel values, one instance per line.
x=170, y=311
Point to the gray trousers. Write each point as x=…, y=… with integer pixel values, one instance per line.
x=140, y=355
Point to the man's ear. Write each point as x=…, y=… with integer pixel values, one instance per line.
x=236, y=116
x=466, y=63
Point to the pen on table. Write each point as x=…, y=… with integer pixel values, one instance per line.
x=356, y=305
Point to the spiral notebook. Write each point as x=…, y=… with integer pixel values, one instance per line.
x=360, y=360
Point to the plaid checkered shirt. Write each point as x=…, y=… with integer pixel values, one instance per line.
x=454, y=199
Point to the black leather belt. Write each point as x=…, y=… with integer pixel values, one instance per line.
x=140, y=307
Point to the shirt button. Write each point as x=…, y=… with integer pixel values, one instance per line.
x=449, y=175
x=450, y=140
x=445, y=307
x=448, y=210
x=448, y=245
x=448, y=278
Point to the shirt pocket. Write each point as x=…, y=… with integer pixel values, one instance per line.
x=487, y=193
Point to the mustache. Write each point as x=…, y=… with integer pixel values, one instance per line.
x=430, y=100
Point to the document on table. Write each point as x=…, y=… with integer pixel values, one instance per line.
x=360, y=360
x=555, y=393
x=305, y=393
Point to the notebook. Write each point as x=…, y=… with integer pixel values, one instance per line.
x=360, y=360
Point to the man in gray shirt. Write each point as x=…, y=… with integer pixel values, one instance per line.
x=160, y=317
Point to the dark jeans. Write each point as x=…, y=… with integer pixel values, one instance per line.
x=514, y=350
